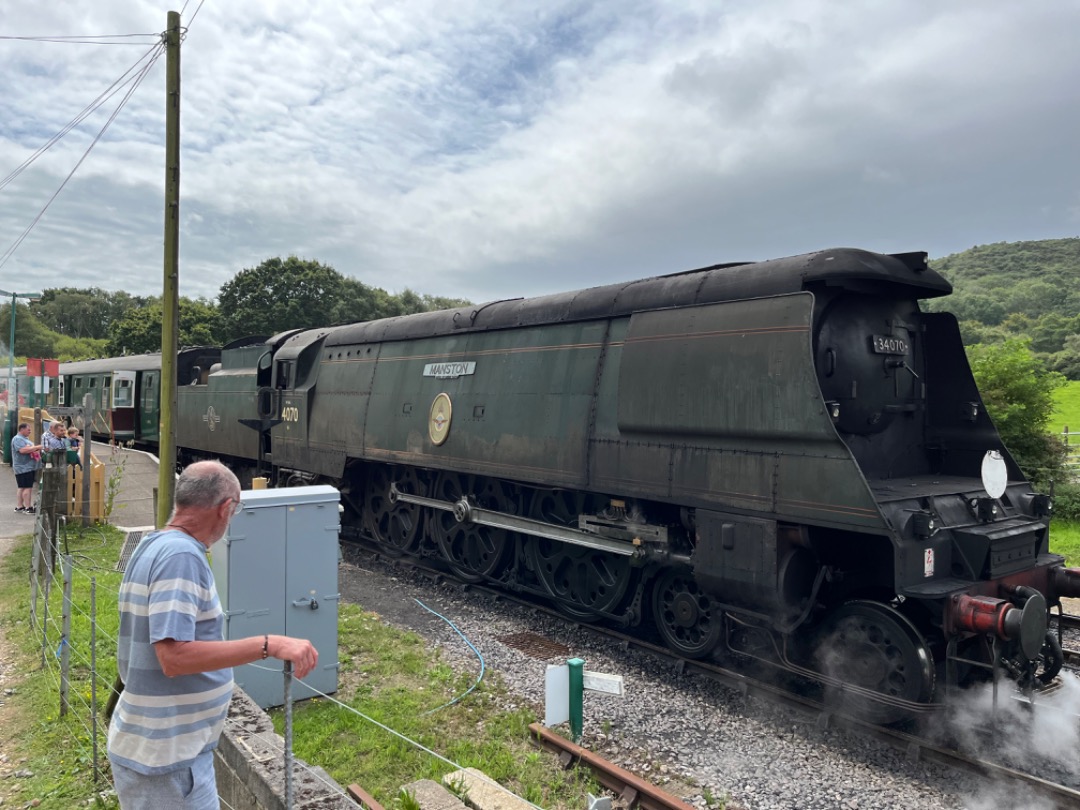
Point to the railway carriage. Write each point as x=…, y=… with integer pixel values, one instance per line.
x=126, y=391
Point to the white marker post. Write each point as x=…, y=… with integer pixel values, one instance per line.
x=564, y=687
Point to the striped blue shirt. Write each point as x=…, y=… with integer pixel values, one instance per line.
x=161, y=723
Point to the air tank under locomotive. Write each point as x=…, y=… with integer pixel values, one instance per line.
x=786, y=459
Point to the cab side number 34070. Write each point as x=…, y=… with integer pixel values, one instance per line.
x=290, y=413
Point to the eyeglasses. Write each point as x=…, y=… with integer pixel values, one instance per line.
x=237, y=505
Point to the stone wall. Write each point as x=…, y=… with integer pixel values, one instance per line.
x=250, y=766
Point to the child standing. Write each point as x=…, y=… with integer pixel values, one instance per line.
x=73, y=445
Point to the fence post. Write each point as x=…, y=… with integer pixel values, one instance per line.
x=288, y=737
x=65, y=650
x=93, y=671
x=88, y=407
x=45, y=616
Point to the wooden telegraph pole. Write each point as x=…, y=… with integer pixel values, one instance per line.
x=170, y=322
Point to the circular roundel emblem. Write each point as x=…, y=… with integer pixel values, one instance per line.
x=439, y=419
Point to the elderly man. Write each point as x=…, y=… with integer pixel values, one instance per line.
x=176, y=668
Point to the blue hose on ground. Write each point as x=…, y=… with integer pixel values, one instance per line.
x=479, y=678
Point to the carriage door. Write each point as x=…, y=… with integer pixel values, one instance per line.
x=148, y=404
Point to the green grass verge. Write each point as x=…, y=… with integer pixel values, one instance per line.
x=1066, y=408
x=1065, y=540
x=389, y=675
x=393, y=678
x=58, y=750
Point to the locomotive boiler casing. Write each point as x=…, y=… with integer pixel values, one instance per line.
x=699, y=390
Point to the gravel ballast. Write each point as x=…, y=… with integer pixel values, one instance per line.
x=695, y=737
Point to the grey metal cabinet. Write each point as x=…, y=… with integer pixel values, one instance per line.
x=276, y=572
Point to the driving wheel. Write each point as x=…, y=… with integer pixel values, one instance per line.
x=583, y=582
x=396, y=526
x=474, y=552
x=873, y=646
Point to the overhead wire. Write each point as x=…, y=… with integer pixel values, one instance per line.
x=198, y=8
x=83, y=39
x=127, y=96
x=104, y=96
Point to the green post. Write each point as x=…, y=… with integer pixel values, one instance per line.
x=577, y=693
x=9, y=434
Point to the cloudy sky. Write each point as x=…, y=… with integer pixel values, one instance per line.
x=491, y=149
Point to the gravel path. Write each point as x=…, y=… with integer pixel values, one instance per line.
x=11, y=763
x=698, y=739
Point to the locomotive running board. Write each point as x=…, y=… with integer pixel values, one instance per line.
x=465, y=512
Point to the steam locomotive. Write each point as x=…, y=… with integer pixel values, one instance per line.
x=784, y=460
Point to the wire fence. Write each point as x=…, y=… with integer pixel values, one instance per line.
x=1071, y=440
x=77, y=660
x=77, y=657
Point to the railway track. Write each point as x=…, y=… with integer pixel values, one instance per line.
x=1072, y=655
x=915, y=746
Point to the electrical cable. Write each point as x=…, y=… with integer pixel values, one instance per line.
x=134, y=86
x=102, y=97
x=196, y=14
x=84, y=39
x=479, y=678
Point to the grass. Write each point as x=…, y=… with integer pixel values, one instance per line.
x=392, y=677
x=1067, y=408
x=389, y=675
x=1065, y=540
x=58, y=751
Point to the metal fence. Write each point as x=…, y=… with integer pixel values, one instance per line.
x=1071, y=440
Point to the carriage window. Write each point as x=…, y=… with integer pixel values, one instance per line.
x=93, y=382
x=122, y=397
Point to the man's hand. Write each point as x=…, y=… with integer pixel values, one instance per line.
x=300, y=651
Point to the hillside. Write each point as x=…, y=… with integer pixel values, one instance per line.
x=1019, y=289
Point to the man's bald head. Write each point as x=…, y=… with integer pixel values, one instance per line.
x=204, y=485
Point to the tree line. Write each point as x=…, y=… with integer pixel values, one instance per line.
x=1020, y=291
x=80, y=323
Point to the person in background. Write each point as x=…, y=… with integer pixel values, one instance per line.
x=175, y=665
x=74, y=443
x=54, y=440
x=25, y=458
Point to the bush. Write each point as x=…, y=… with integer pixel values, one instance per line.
x=1067, y=501
x=1018, y=391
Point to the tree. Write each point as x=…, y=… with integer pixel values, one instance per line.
x=83, y=313
x=32, y=339
x=1018, y=392
x=139, y=331
x=278, y=295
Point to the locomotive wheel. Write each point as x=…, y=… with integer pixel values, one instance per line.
x=472, y=551
x=873, y=646
x=584, y=582
x=687, y=619
x=396, y=526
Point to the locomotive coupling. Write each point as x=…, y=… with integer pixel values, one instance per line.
x=1067, y=582
x=1002, y=618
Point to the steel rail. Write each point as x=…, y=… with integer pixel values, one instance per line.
x=632, y=789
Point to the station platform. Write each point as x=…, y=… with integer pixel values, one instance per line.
x=133, y=504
